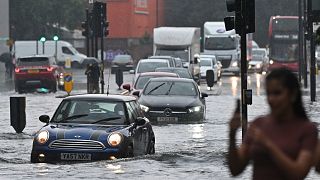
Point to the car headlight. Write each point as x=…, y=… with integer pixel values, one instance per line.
x=144, y=108
x=234, y=64
x=114, y=139
x=271, y=61
x=258, y=66
x=194, y=109
x=43, y=137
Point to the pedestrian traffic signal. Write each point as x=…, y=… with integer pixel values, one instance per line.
x=55, y=38
x=84, y=26
x=42, y=39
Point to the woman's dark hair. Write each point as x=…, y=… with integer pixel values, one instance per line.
x=289, y=80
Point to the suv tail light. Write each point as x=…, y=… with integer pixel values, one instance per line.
x=17, y=70
x=50, y=69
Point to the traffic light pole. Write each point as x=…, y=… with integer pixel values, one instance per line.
x=88, y=34
x=305, y=68
x=300, y=37
x=312, y=54
x=102, y=48
x=244, y=108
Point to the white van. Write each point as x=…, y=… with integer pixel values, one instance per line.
x=64, y=51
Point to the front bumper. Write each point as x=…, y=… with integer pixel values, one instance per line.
x=174, y=117
x=55, y=155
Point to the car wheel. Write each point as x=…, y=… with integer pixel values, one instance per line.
x=33, y=159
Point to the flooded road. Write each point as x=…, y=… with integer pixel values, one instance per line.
x=183, y=151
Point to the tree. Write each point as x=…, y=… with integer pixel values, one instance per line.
x=30, y=19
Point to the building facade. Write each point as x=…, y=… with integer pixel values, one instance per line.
x=134, y=18
x=4, y=25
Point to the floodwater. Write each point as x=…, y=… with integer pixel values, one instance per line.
x=183, y=151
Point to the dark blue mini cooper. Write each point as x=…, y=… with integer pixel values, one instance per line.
x=94, y=127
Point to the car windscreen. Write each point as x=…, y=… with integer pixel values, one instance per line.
x=170, y=88
x=183, y=73
x=151, y=66
x=90, y=112
x=258, y=53
x=122, y=59
x=257, y=58
x=141, y=81
x=33, y=61
x=220, y=43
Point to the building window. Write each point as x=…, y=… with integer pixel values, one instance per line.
x=142, y=3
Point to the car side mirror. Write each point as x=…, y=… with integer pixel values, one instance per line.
x=204, y=95
x=140, y=121
x=44, y=118
x=136, y=93
x=126, y=87
x=131, y=71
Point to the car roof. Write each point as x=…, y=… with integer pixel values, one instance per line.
x=153, y=60
x=161, y=57
x=172, y=68
x=118, y=98
x=172, y=79
x=37, y=56
x=158, y=74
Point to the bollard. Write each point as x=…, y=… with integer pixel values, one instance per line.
x=210, y=78
x=119, y=77
x=18, y=113
x=67, y=63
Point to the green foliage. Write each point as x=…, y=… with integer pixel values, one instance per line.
x=31, y=19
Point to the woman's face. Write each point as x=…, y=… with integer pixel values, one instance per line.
x=279, y=98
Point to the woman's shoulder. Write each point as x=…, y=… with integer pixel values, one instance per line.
x=261, y=120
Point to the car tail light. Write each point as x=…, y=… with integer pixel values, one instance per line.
x=17, y=70
x=50, y=69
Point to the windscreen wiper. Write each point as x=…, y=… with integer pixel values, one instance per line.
x=155, y=88
x=74, y=117
x=107, y=119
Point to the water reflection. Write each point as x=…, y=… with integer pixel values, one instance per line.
x=117, y=169
x=234, y=85
x=258, y=83
x=197, y=131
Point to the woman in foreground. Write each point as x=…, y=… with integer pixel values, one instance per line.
x=280, y=144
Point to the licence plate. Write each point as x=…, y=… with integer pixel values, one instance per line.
x=33, y=70
x=76, y=156
x=167, y=119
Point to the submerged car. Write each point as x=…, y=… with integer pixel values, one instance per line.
x=142, y=80
x=38, y=71
x=182, y=72
x=259, y=62
x=93, y=127
x=172, y=100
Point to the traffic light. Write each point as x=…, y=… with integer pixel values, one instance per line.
x=106, y=29
x=250, y=16
x=233, y=22
x=247, y=12
x=100, y=23
x=85, y=28
x=55, y=38
x=42, y=39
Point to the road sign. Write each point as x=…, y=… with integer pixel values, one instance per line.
x=68, y=82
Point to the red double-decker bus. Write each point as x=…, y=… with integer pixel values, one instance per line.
x=283, y=42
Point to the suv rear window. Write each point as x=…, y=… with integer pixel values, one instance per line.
x=33, y=61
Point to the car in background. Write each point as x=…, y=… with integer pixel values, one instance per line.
x=38, y=71
x=143, y=78
x=182, y=72
x=122, y=61
x=172, y=100
x=171, y=59
x=259, y=62
x=216, y=62
x=210, y=64
x=149, y=65
x=93, y=127
x=179, y=62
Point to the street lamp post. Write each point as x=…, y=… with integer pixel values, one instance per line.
x=56, y=39
x=43, y=40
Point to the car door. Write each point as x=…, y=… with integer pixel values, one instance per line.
x=137, y=133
